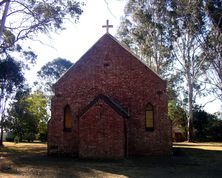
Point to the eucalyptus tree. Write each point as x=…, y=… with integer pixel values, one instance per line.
x=25, y=19
x=22, y=20
x=144, y=30
x=28, y=115
x=171, y=31
x=214, y=74
x=189, y=28
x=11, y=78
x=213, y=45
x=50, y=73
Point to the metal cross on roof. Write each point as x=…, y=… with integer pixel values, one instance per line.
x=107, y=26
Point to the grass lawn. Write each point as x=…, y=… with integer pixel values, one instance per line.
x=188, y=160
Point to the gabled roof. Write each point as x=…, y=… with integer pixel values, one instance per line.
x=133, y=54
x=113, y=104
x=107, y=35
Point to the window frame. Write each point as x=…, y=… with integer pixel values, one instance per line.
x=65, y=129
x=153, y=114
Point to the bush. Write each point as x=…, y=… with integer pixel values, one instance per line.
x=30, y=137
x=207, y=127
x=16, y=139
x=10, y=137
x=43, y=137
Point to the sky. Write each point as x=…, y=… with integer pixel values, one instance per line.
x=73, y=42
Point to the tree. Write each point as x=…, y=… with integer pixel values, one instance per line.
x=207, y=127
x=214, y=74
x=11, y=78
x=24, y=19
x=28, y=115
x=144, y=30
x=51, y=72
x=183, y=28
x=178, y=116
x=213, y=46
x=213, y=7
x=201, y=123
x=189, y=25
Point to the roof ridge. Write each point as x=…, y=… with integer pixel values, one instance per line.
x=119, y=43
x=135, y=55
x=62, y=76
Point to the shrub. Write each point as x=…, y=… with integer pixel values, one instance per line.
x=43, y=137
x=30, y=137
x=10, y=137
x=16, y=139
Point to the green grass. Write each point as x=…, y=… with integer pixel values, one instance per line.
x=189, y=160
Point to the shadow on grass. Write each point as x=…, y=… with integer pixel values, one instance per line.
x=185, y=162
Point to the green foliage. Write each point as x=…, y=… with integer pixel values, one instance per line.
x=10, y=137
x=30, y=137
x=201, y=122
x=144, y=30
x=34, y=16
x=51, y=72
x=201, y=46
x=24, y=20
x=213, y=47
x=214, y=10
x=43, y=137
x=28, y=116
x=11, y=78
x=173, y=86
x=175, y=33
x=177, y=114
x=214, y=132
x=54, y=70
x=10, y=75
x=207, y=127
x=16, y=139
x=178, y=117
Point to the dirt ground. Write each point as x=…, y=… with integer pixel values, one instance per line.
x=188, y=160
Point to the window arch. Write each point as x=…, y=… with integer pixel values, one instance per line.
x=149, y=121
x=67, y=118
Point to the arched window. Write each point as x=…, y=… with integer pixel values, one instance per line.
x=67, y=118
x=149, y=117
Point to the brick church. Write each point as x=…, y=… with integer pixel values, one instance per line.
x=109, y=105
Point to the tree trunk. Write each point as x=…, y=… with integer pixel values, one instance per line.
x=190, y=108
x=190, y=127
x=4, y=16
x=1, y=134
x=2, y=109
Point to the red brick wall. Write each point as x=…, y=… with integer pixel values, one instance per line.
x=107, y=68
x=101, y=132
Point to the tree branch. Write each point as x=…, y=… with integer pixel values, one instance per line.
x=2, y=2
x=107, y=5
x=3, y=20
x=203, y=105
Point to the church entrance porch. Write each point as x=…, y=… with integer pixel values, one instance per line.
x=101, y=133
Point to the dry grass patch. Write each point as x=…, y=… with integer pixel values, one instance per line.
x=204, y=146
x=189, y=160
x=33, y=148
